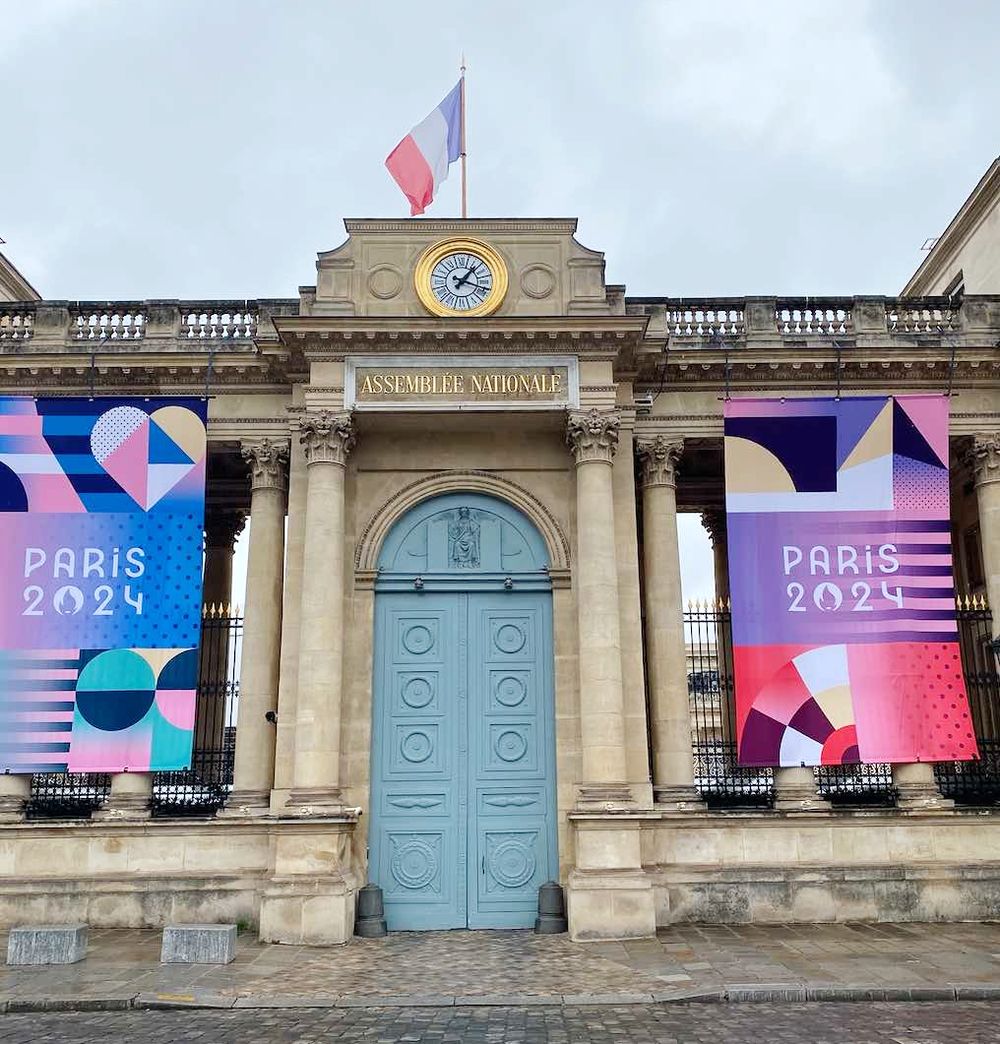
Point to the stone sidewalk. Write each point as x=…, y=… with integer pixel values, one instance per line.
x=684, y=963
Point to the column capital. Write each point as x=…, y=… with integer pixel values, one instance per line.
x=984, y=457
x=328, y=437
x=658, y=460
x=593, y=434
x=223, y=527
x=714, y=521
x=268, y=460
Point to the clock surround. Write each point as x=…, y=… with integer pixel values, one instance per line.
x=443, y=290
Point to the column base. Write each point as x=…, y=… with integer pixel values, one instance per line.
x=123, y=808
x=917, y=789
x=678, y=797
x=917, y=798
x=243, y=804
x=795, y=791
x=314, y=801
x=12, y=808
x=604, y=796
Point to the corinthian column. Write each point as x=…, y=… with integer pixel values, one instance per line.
x=985, y=461
x=254, y=765
x=593, y=439
x=327, y=439
x=666, y=662
x=715, y=525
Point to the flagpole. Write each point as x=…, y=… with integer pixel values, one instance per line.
x=465, y=206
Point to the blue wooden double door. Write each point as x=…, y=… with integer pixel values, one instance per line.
x=463, y=827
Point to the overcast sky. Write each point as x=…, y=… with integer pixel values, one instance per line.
x=187, y=148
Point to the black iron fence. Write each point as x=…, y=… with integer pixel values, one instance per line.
x=977, y=782
x=199, y=790
x=724, y=784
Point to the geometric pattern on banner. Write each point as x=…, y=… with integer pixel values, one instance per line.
x=103, y=513
x=843, y=599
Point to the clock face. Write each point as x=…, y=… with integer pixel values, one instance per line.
x=463, y=278
x=461, y=281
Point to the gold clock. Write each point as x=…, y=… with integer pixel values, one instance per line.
x=461, y=277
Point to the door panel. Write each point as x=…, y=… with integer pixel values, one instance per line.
x=463, y=825
x=512, y=767
x=418, y=845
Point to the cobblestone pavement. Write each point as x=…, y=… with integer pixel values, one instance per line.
x=873, y=1023
x=750, y=962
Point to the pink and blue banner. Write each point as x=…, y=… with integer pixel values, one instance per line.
x=102, y=506
x=845, y=643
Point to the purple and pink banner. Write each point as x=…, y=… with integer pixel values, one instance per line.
x=845, y=643
x=102, y=507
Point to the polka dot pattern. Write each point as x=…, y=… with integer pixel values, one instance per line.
x=113, y=428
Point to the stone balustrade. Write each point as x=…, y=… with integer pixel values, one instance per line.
x=60, y=326
x=765, y=322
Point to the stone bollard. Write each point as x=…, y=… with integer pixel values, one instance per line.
x=370, y=922
x=198, y=944
x=551, y=918
x=47, y=944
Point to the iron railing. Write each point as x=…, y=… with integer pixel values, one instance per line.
x=199, y=790
x=724, y=784
x=977, y=782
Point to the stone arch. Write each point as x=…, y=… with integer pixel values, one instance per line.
x=382, y=521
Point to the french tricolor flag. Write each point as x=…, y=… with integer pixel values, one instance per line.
x=419, y=163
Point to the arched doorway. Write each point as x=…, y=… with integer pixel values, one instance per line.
x=463, y=811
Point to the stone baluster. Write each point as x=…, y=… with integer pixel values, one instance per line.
x=593, y=439
x=666, y=659
x=253, y=773
x=328, y=438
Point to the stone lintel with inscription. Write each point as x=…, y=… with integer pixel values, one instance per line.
x=461, y=382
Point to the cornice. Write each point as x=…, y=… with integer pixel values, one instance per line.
x=439, y=226
x=428, y=330
x=983, y=198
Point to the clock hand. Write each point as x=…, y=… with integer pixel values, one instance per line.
x=465, y=279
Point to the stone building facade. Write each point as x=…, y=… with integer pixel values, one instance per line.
x=464, y=667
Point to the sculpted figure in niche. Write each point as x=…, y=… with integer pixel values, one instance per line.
x=463, y=540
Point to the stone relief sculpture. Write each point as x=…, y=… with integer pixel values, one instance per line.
x=463, y=540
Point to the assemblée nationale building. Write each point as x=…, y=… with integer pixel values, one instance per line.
x=463, y=666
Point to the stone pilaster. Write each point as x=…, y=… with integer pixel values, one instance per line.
x=630, y=613
x=327, y=438
x=666, y=660
x=291, y=615
x=984, y=458
x=714, y=522
x=253, y=773
x=593, y=439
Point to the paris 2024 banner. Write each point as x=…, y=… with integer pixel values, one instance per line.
x=845, y=644
x=101, y=516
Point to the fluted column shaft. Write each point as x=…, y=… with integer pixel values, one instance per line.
x=666, y=661
x=253, y=773
x=593, y=439
x=327, y=438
